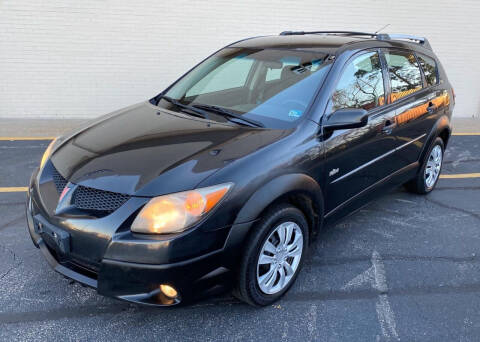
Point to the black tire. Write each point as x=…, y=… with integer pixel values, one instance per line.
x=247, y=288
x=418, y=184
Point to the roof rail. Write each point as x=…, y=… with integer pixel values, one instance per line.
x=349, y=33
x=380, y=36
x=420, y=40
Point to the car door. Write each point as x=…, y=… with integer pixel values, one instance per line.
x=358, y=158
x=415, y=98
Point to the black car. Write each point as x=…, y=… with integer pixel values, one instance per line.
x=228, y=175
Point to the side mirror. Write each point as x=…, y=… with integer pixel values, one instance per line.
x=346, y=118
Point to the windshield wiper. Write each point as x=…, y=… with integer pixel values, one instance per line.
x=229, y=114
x=198, y=112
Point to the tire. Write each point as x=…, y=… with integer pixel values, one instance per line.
x=421, y=184
x=281, y=218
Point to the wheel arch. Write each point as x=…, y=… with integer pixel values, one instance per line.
x=442, y=129
x=300, y=190
x=289, y=187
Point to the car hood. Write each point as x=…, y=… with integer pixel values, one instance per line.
x=145, y=151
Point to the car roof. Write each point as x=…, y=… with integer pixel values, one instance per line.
x=325, y=43
x=312, y=42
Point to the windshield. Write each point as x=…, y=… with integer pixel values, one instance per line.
x=271, y=86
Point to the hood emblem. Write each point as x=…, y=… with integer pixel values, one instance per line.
x=64, y=192
x=65, y=199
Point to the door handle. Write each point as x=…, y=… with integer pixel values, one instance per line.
x=431, y=107
x=388, y=126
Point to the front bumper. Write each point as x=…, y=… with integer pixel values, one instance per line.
x=125, y=278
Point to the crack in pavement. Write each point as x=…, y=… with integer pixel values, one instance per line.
x=390, y=257
x=15, y=220
x=384, y=210
x=457, y=188
x=446, y=206
x=461, y=161
x=307, y=296
x=16, y=261
x=10, y=270
x=370, y=293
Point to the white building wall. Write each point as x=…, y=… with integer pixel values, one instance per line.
x=70, y=58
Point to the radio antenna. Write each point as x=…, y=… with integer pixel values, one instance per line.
x=383, y=28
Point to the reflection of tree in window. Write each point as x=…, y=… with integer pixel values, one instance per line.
x=429, y=69
x=361, y=84
x=404, y=73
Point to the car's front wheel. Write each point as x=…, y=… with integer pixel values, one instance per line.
x=429, y=173
x=273, y=256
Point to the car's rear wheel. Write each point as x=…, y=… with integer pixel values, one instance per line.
x=429, y=173
x=273, y=256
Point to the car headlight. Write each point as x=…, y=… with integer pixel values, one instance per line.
x=47, y=153
x=176, y=212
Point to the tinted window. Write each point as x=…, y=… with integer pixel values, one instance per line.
x=361, y=84
x=231, y=74
x=404, y=73
x=272, y=86
x=429, y=69
x=274, y=74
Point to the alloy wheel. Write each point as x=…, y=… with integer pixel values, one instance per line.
x=434, y=164
x=279, y=258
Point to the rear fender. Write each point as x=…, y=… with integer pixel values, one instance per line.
x=443, y=123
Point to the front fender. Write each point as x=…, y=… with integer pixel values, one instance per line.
x=262, y=198
x=276, y=188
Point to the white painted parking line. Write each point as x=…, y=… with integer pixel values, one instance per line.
x=376, y=277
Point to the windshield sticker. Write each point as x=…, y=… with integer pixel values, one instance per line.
x=315, y=64
x=294, y=113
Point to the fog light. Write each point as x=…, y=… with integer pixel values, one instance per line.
x=168, y=291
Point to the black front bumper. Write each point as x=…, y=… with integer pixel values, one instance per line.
x=193, y=278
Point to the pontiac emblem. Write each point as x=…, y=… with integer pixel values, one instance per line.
x=64, y=192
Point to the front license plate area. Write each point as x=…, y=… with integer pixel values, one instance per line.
x=53, y=236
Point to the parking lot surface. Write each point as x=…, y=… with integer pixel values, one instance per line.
x=403, y=268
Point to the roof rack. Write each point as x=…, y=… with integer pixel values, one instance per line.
x=349, y=33
x=420, y=40
x=380, y=36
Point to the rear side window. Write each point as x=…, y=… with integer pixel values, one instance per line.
x=361, y=84
x=405, y=76
x=429, y=69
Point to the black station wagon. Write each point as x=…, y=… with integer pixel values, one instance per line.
x=225, y=177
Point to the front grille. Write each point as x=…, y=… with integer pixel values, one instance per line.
x=59, y=181
x=97, y=200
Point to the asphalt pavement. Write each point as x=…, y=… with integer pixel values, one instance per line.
x=404, y=268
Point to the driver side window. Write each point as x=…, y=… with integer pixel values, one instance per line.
x=361, y=84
